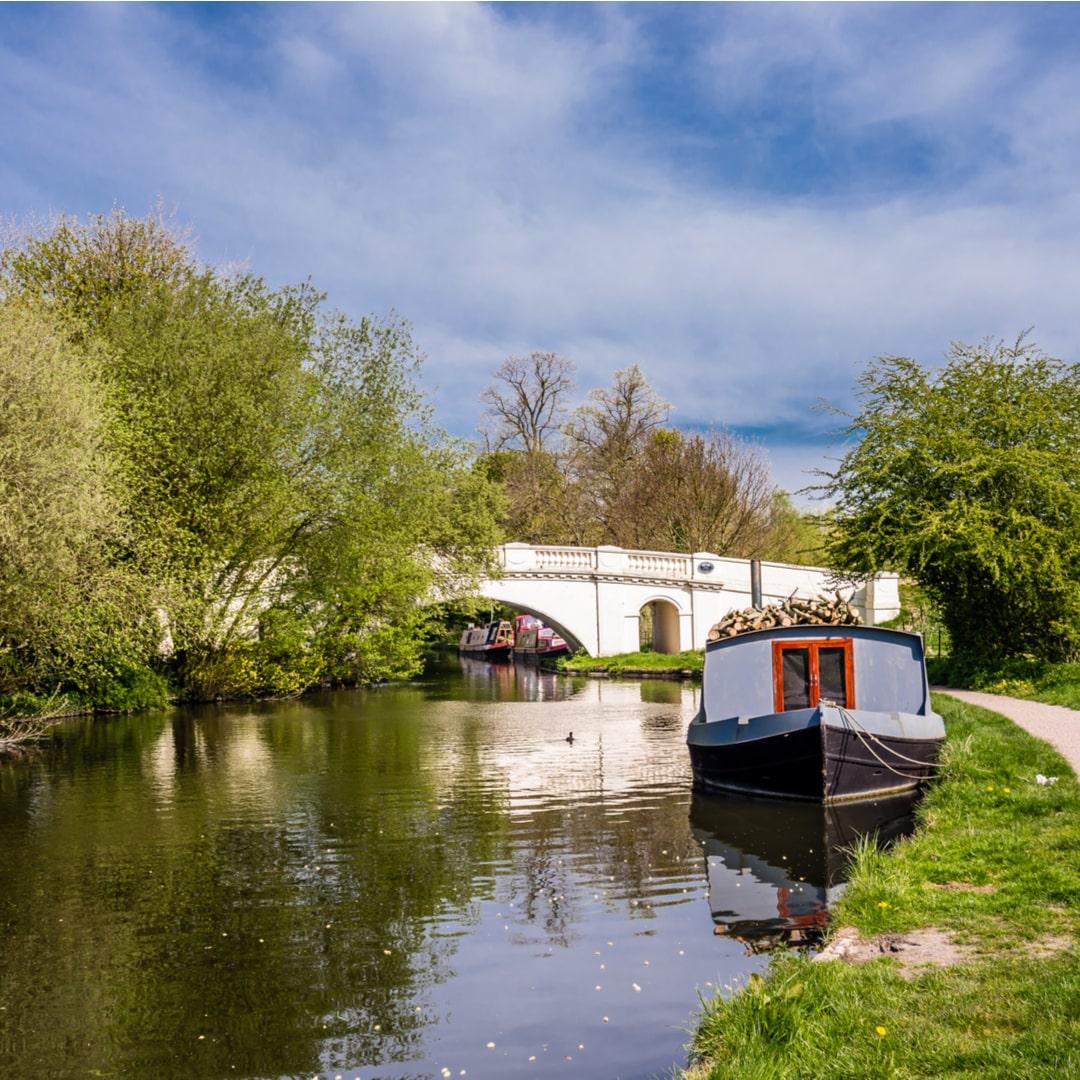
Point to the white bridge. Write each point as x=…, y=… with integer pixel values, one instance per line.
x=594, y=597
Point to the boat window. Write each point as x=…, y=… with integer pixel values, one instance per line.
x=808, y=672
x=796, y=677
x=832, y=681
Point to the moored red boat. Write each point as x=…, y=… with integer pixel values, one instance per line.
x=533, y=638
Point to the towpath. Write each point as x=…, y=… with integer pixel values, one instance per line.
x=1055, y=724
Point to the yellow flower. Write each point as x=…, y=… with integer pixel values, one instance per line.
x=1008, y=791
x=881, y=1030
x=883, y=904
x=989, y=787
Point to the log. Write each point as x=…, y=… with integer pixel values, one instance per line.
x=815, y=611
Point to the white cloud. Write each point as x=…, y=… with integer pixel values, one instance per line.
x=473, y=172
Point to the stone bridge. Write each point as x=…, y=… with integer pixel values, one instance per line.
x=594, y=596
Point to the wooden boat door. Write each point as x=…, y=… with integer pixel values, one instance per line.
x=810, y=672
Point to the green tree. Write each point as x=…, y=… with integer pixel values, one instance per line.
x=967, y=478
x=71, y=619
x=795, y=536
x=280, y=483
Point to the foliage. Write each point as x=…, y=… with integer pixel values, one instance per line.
x=696, y=493
x=968, y=480
x=920, y=615
x=795, y=536
x=1018, y=676
x=614, y=474
x=70, y=615
x=271, y=481
x=1002, y=1013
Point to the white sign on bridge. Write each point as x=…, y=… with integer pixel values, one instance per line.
x=594, y=596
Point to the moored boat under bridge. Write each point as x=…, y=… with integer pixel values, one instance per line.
x=594, y=596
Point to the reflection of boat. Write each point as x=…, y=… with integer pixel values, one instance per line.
x=533, y=638
x=494, y=641
x=484, y=681
x=815, y=712
x=774, y=867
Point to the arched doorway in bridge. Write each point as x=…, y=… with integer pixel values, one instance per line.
x=659, y=627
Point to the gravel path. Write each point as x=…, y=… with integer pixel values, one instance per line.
x=1060, y=727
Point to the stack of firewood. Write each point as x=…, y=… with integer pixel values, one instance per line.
x=832, y=611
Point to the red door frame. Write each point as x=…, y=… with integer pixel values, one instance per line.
x=814, y=645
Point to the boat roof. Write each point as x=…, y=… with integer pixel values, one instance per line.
x=809, y=629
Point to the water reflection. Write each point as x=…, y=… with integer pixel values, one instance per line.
x=377, y=884
x=774, y=868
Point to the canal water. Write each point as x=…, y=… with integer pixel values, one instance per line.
x=419, y=880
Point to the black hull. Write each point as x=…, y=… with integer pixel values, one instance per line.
x=539, y=654
x=818, y=763
x=494, y=652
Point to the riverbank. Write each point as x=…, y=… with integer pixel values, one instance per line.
x=972, y=924
x=637, y=665
x=1022, y=677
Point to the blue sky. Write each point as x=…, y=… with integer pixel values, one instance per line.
x=749, y=201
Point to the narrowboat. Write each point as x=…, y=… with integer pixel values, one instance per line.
x=493, y=641
x=824, y=713
x=533, y=639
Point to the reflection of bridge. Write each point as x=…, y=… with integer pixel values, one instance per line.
x=594, y=596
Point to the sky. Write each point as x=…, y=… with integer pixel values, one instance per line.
x=749, y=201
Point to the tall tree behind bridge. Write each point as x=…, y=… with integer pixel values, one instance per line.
x=607, y=436
x=698, y=492
x=528, y=401
x=526, y=406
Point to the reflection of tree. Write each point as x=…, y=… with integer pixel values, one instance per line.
x=280, y=880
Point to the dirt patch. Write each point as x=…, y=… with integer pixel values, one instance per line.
x=1048, y=946
x=929, y=947
x=960, y=886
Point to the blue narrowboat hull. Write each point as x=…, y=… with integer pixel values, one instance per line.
x=824, y=754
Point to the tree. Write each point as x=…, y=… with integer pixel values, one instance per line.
x=527, y=401
x=696, y=493
x=281, y=490
x=606, y=435
x=795, y=536
x=70, y=618
x=968, y=479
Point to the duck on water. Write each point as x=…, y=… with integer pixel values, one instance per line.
x=826, y=713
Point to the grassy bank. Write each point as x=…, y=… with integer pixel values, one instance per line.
x=995, y=864
x=1038, y=680
x=629, y=664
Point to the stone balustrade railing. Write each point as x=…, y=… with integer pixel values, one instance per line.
x=522, y=558
x=613, y=561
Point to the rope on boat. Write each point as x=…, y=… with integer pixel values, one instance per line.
x=861, y=734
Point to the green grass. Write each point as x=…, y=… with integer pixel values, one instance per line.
x=1002, y=1013
x=627, y=663
x=1038, y=680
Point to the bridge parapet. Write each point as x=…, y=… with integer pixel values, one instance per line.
x=606, y=560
